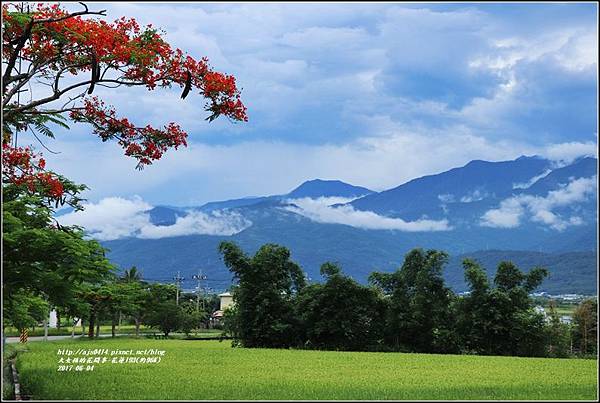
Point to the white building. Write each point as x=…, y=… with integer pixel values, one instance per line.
x=226, y=300
x=53, y=319
x=566, y=319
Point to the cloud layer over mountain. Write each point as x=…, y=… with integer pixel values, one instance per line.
x=540, y=209
x=325, y=210
x=116, y=218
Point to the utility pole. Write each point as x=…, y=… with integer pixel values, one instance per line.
x=199, y=278
x=207, y=290
x=178, y=280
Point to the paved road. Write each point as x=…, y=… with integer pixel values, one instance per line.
x=41, y=338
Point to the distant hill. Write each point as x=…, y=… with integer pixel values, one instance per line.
x=313, y=188
x=327, y=188
x=234, y=203
x=460, y=196
x=479, y=182
x=162, y=215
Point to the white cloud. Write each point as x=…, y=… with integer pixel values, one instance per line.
x=579, y=53
x=576, y=191
x=446, y=198
x=217, y=223
x=116, y=217
x=321, y=210
x=110, y=218
x=220, y=172
x=321, y=201
x=568, y=152
x=507, y=216
x=318, y=80
x=539, y=209
x=473, y=196
x=573, y=49
x=526, y=185
x=518, y=105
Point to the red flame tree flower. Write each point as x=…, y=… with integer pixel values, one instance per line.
x=74, y=52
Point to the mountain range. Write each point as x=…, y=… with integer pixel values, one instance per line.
x=530, y=210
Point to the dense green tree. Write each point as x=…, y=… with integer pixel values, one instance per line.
x=125, y=298
x=500, y=320
x=146, y=298
x=585, y=327
x=134, y=288
x=95, y=297
x=340, y=314
x=42, y=258
x=26, y=310
x=558, y=333
x=190, y=317
x=267, y=283
x=166, y=316
x=137, y=299
x=418, y=316
x=77, y=309
x=131, y=275
x=231, y=324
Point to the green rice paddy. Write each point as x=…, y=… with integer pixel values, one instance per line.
x=213, y=370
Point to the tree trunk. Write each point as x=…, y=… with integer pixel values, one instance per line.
x=58, y=319
x=114, y=325
x=93, y=319
x=91, y=325
x=571, y=344
x=73, y=328
x=585, y=336
x=46, y=329
x=98, y=328
x=137, y=326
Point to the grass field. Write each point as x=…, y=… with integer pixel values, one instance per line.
x=207, y=370
x=565, y=310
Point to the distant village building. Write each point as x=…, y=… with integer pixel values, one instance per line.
x=566, y=319
x=226, y=300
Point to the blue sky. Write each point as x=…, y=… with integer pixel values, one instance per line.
x=372, y=94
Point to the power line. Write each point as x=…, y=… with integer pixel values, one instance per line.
x=199, y=278
x=211, y=280
x=178, y=280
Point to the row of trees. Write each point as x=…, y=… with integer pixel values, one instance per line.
x=111, y=300
x=408, y=310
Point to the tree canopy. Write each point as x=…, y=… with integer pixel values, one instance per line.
x=267, y=282
x=67, y=55
x=499, y=319
x=58, y=58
